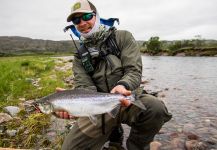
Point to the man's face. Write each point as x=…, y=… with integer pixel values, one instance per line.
x=82, y=25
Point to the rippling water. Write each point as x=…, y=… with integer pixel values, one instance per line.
x=190, y=80
x=190, y=88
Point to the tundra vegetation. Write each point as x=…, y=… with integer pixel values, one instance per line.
x=197, y=46
x=23, y=79
x=193, y=47
x=27, y=78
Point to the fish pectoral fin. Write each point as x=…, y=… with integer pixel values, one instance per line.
x=93, y=119
x=113, y=113
x=139, y=104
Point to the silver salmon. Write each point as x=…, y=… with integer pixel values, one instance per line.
x=84, y=103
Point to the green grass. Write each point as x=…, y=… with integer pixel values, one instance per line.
x=18, y=75
x=28, y=77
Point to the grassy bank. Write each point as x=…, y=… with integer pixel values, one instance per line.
x=28, y=78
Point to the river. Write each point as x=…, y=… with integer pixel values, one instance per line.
x=188, y=86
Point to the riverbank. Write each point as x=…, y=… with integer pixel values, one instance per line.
x=197, y=52
x=194, y=122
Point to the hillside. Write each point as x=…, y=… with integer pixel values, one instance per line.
x=15, y=45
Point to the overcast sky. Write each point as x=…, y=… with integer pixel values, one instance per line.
x=168, y=19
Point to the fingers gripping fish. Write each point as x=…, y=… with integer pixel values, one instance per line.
x=84, y=103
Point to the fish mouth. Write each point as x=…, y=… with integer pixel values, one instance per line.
x=35, y=107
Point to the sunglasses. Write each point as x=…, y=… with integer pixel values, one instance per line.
x=84, y=17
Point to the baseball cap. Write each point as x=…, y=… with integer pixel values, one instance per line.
x=81, y=6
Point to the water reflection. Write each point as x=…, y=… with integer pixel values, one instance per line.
x=191, y=94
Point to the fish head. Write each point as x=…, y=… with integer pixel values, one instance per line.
x=45, y=107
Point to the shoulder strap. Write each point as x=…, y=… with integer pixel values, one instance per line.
x=86, y=60
x=112, y=43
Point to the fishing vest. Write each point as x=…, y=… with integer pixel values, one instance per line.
x=104, y=48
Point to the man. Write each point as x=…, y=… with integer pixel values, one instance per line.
x=109, y=61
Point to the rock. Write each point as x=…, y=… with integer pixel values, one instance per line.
x=177, y=143
x=144, y=82
x=212, y=141
x=51, y=136
x=195, y=145
x=39, y=88
x=29, y=80
x=192, y=137
x=207, y=122
x=58, y=125
x=174, y=135
x=22, y=99
x=2, y=129
x=162, y=95
x=155, y=145
x=27, y=105
x=11, y=133
x=180, y=130
x=166, y=89
x=153, y=93
x=53, y=76
x=69, y=80
x=189, y=128
x=12, y=110
x=5, y=117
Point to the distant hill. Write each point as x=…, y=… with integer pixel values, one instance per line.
x=15, y=45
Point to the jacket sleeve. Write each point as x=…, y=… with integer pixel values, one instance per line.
x=82, y=79
x=130, y=59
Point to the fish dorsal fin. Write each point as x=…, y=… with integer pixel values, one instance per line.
x=139, y=104
x=93, y=119
x=113, y=113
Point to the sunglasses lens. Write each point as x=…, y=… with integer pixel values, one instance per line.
x=76, y=20
x=84, y=17
x=87, y=17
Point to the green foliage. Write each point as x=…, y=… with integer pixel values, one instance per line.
x=28, y=130
x=36, y=125
x=177, y=45
x=154, y=45
x=28, y=77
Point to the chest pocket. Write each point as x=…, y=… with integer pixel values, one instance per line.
x=108, y=73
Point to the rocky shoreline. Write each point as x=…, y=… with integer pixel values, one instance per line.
x=177, y=134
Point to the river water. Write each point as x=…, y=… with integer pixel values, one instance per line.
x=188, y=86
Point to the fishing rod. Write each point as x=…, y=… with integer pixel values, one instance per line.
x=66, y=29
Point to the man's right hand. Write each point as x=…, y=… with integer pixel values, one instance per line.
x=63, y=114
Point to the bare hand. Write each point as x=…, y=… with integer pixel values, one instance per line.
x=63, y=114
x=58, y=89
x=120, y=89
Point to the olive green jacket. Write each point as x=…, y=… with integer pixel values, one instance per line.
x=126, y=70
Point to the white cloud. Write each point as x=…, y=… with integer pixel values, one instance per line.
x=169, y=19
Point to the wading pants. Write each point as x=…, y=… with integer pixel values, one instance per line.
x=144, y=124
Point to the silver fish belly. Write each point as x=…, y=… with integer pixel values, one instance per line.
x=84, y=103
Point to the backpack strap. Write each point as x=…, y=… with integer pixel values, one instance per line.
x=86, y=59
x=112, y=43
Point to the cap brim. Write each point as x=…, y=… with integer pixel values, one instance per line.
x=69, y=18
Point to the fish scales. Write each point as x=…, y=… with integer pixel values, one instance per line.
x=83, y=103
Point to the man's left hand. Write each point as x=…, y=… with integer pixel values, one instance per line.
x=120, y=89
